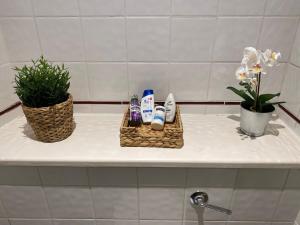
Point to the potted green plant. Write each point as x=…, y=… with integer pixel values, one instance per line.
x=46, y=103
x=256, y=109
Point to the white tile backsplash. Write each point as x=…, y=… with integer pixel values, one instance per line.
x=55, y=7
x=195, y=76
x=61, y=38
x=104, y=39
x=12, y=175
x=233, y=35
x=241, y=7
x=15, y=8
x=115, y=202
x=179, y=33
x=189, y=41
x=148, y=7
x=101, y=7
x=24, y=201
x=195, y=7
x=70, y=202
x=21, y=37
x=278, y=34
x=161, y=203
x=148, y=39
x=105, y=77
x=295, y=57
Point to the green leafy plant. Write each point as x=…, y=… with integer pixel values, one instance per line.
x=42, y=84
x=249, y=74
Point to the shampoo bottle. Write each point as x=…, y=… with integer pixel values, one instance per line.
x=170, y=106
x=147, y=106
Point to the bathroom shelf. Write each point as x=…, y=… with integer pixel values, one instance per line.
x=210, y=141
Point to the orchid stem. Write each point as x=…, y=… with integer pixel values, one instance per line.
x=256, y=103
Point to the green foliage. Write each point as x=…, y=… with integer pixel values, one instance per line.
x=42, y=84
x=252, y=101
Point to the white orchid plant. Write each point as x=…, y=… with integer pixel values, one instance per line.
x=249, y=76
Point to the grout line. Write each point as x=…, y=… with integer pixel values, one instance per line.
x=138, y=195
x=186, y=170
x=126, y=48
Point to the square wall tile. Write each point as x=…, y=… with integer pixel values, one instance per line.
x=107, y=108
x=19, y=175
x=148, y=7
x=217, y=196
x=106, y=176
x=159, y=177
x=261, y=178
x=50, y=7
x=211, y=178
x=288, y=206
x=70, y=202
x=290, y=92
x=4, y=222
x=233, y=35
x=248, y=223
x=108, y=81
x=293, y=181
x=241, y=7
x=149, y=76
x=79, y=87
x=102, y=7
x=15, y=8
x=148, y=39
x=278, y=33
x=195, y=7
x=192, y=75
x=24, y=201
x=74, y=222
x=30, y=222
x=8, y=96
x=273, y=80
x=189, y=42
x=295, y=57
x=104, y=39
x=222, y=76
x=254, y=204
x=64, y=176
x=117, y=222
x=161, y=203
x=115, y=203
x=61, y=38
x=283, y=7
x=21, y=39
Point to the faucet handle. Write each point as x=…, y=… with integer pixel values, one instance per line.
x=200, y=199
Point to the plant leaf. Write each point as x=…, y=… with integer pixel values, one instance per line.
x=266, y=97
x=242, y=94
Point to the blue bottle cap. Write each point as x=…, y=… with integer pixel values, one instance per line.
x=148, y=92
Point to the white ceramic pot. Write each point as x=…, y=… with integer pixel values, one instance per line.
x=254, y=123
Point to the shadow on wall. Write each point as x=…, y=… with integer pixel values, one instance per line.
x=272, y=128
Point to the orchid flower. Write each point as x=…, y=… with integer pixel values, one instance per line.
x=271, y=58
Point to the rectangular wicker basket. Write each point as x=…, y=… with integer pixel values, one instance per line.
x=170, y=137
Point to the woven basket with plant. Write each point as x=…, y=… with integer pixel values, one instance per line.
x=46, y=103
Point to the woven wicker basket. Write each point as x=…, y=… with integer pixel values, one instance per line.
x=144, y=136
x=53, y=123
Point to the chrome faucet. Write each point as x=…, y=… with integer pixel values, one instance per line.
x=200, y=199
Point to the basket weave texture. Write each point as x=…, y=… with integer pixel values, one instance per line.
x=170, y=137
x=53, y=123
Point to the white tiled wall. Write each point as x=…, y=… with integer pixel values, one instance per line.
x=146, y=196
x=115, y=48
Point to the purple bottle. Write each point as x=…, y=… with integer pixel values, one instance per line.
x=135, y=116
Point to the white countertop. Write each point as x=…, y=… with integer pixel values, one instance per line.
x=210, y=141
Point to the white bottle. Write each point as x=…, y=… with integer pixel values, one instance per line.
x=158, y=118
x=147, y=106
x=170, y=106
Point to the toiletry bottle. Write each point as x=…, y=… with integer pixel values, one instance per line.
x=159, y=118
x=135, y=117
x=147, y=106
x=170, y=106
